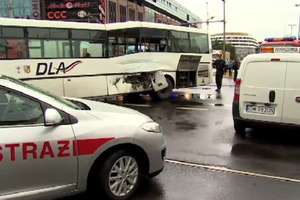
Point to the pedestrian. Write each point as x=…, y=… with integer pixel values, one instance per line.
x=220, y=65
x=230, y=65
x=235, y=67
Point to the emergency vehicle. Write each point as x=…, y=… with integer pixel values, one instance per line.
x=280, y=45
x=52, y=147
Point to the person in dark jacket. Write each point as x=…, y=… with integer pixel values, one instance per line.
x=235, y=67
x=220, y=65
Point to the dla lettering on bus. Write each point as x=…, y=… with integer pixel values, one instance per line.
x=50, y=69
x=31, y=150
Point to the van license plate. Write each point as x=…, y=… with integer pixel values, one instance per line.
x=261, y=109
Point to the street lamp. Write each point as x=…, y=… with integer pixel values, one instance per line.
x=224, y=31
x=298, y=5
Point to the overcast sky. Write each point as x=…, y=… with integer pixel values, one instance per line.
x=260, y=18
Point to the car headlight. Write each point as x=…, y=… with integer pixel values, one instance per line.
x=152, y=127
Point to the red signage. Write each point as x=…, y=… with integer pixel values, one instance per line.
x=76, y=10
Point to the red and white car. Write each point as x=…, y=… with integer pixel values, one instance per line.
x=52, y=147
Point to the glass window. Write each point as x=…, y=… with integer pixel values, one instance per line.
x=13, y=49
x=112, y=12
x=38, y=33
x=45, y=33
x=13, y=32
x=131, y=14
x=123, y=14
x=199, y=43
x=179, y=42
x=153, y=40
x=86, y=49
x=59, y=34
x=35, y=49
x=88, y=35
x=49, y=49
x=22, y=8
x=57, y=49
x=117, y=45
x=16, y=109
x=4, y=8
x=140, y=16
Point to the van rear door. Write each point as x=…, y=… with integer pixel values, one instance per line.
x=262, y=91
x=291, y=108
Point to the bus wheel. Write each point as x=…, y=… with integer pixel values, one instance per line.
x=165, y=93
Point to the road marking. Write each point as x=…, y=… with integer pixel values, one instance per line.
x=232, y=171
x=137, y=105
x=191, y=108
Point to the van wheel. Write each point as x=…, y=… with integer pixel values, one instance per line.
x=119, y=176
x=240, y=128
x=165, y=93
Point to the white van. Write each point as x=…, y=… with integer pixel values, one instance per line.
x=267, y=91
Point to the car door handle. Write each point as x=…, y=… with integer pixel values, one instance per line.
x=297, y=99
x=272, y=96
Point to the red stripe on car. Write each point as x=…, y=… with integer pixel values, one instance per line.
x=89, y=146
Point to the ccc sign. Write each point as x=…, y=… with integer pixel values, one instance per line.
x=57, y=15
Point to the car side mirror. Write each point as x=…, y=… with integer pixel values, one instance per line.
x=52, y=117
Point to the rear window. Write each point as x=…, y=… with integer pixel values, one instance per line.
x=265, y=74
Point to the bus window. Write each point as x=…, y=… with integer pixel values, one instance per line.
x=87, y=43
x=153, y=40
x=132, y=37
x=199, y=43
x=117, y=43
x=12, y=43
x=86, y=49
x=13, y=49
x=48, y=43
x=49, y=48
x=179, y=42
x=123, y=42
x=12, y=32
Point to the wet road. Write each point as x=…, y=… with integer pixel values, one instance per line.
x=204, y=134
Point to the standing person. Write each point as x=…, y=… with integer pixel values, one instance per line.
x=235, y=67
x=220, y=65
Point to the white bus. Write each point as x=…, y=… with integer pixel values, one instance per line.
x=87, y=60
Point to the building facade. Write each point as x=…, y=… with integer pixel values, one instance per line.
x=99, y=11
x=20, y=9
x=244, y=43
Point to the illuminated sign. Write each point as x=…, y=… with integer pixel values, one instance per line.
x=76, y=10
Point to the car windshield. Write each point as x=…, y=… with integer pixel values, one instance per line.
x=48, y=94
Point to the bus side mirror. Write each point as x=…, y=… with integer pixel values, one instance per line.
x=52, y=117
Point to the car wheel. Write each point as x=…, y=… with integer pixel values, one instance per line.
x=119, y=176
x=240, y=128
